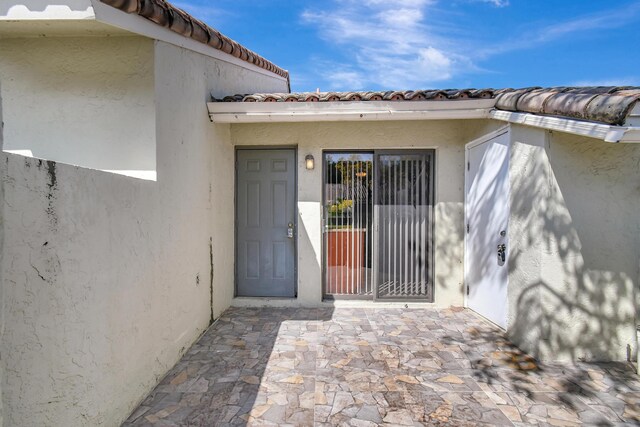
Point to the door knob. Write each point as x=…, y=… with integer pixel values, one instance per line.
x=290, y=230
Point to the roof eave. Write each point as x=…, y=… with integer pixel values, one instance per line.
x=137, y=24
x=282, y=112
x=62, y=10
x=603, y=131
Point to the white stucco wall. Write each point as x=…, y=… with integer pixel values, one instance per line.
x=86, y=101
x=446, y=137
x=574, y=245
x=106, y=278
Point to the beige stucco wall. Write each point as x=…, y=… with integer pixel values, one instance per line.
x=446, y=137
x=574, y=238
x=106, y=278
x=2, y=291
x=82, y=101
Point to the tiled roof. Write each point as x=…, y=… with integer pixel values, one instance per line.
x=166, y=15
x=408, y=95
x=607, y=104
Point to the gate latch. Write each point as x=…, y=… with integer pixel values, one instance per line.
x=502, y=250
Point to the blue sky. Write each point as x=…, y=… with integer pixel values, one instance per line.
x=423, y=44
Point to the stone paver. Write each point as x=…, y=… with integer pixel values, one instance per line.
x=378, y=366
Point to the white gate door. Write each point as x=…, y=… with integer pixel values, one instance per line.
x=487, y=215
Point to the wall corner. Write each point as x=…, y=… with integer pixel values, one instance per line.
x=3, y=165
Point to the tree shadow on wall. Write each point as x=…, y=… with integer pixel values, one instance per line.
x=572, y=287
x=571, y=299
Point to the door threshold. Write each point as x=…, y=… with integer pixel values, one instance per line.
x=265, y=302
x=377, y=304
x=279, y=302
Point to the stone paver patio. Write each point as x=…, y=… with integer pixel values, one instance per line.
x=367, y=367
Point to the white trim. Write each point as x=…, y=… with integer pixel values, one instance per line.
x=487, y=137
x=633, y=119
x=607, y=133
x=631, y=136
x=139, y=25
x=259, y=112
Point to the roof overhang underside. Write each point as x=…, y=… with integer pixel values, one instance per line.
x=280, y=112
x=296, y=112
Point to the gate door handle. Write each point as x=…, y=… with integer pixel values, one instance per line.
x=502, y=250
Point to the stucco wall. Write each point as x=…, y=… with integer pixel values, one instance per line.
x=574, y=245
x=184, y=83
x=447, y=137
x=83, y=101
x=2, y=172
x=106, y=277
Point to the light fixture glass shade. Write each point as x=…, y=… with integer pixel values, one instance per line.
x=309, y=162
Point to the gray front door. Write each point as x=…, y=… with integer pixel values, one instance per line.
x=265, y=218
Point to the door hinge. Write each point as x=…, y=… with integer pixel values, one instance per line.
x=468, y=165
x=467, y=228
x=467, y=290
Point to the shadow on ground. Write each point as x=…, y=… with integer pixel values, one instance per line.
x=602, y=394
x=378, y=366
x=217, y=381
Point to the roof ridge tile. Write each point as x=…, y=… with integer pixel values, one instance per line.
x=163, y=13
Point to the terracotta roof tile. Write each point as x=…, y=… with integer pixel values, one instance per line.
x=177, y=20
x=607, y=104
x=409, y=95
x=568, y=104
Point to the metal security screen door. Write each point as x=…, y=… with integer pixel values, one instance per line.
x=378, y=225
x=348, y=183
x=403, y=212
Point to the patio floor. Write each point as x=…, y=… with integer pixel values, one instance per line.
x=366, y=367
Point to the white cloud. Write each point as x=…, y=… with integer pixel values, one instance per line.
x=496, y=3
x=401, y=18
x=408, y=44
x=340, y=80
x=204, y=13
x=585, y=24
x=390, y=44
x=614, y=81
x=435, y=64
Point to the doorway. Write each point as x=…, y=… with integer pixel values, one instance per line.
x=266, y=222
x=377, y=225
x=487, y=217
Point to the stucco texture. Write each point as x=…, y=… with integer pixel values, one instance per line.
x=2, y=291
x=82, y=101
x=446, y=137
x=574, y=237
x=106, y=278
